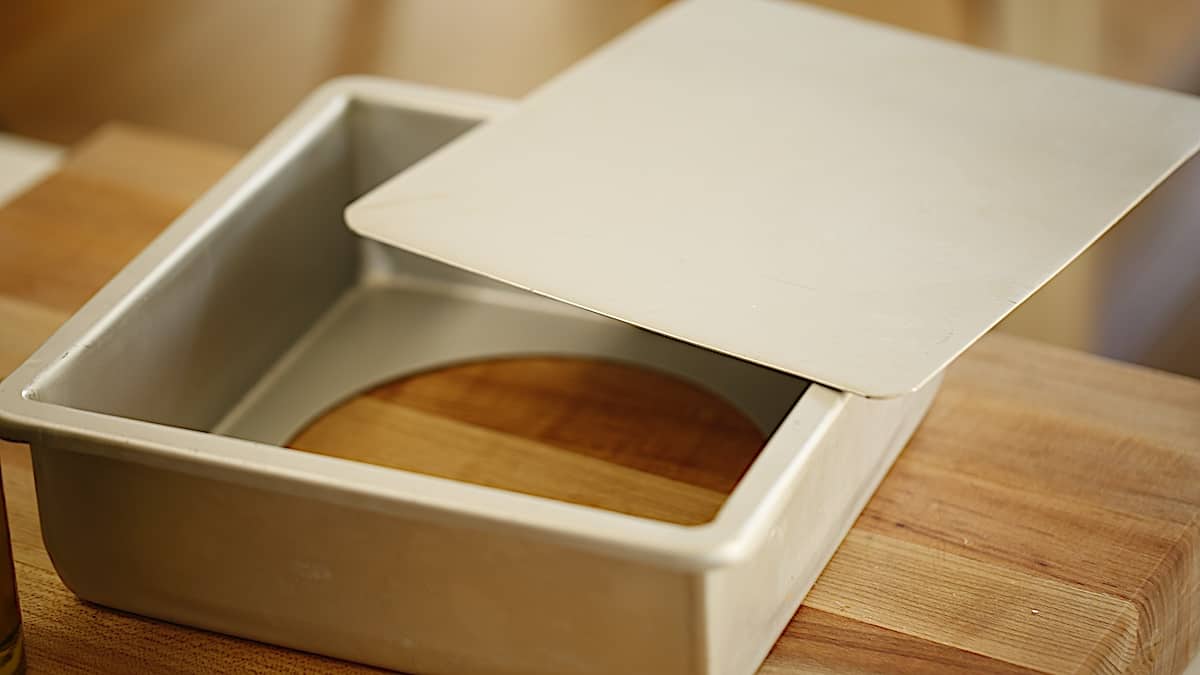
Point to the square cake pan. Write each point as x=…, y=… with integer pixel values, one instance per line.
x=156, y=417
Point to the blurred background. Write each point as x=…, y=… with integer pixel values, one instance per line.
x=227, y=70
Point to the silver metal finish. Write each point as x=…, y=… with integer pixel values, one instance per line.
x=404, y=324
x=155, y=415
x=847, y=202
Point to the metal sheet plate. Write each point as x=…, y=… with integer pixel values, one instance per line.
x=843, y=201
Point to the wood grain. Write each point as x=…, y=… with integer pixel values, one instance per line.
x=1045, y=517
x=584, y=431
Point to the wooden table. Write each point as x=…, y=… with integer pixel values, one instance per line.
x=1045, y=517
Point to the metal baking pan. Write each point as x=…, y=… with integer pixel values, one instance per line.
x=156, y=417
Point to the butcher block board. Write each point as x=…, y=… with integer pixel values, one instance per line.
x=1045, y=516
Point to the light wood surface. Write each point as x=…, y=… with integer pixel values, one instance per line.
x=584, y=431
x=1045, y=516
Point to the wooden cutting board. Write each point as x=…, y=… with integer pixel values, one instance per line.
x=1045, y=517
x=584, y=431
